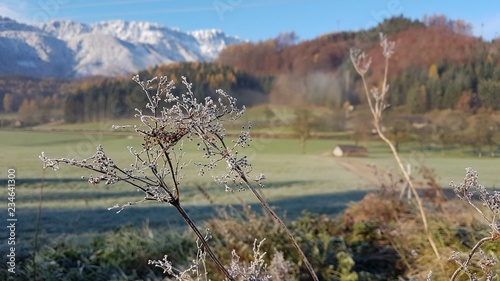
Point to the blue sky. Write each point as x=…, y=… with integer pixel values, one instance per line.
x=258, y=19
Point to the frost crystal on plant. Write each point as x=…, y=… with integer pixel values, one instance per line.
x=463, y=191
x=256, y=270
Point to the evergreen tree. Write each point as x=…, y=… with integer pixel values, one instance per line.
x=489, y=93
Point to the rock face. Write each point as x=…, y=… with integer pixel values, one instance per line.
x=68, y=49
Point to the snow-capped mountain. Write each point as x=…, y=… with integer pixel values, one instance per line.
x=69, y=49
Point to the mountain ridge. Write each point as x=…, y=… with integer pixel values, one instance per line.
x=68, y=49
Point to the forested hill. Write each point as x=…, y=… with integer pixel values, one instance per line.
x=282, y=55
x=418, y=44
x=438, y=64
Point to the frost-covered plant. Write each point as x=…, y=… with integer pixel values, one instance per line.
x=256, y=270
x=491, y=202
x=197, y=268
x=157, y=166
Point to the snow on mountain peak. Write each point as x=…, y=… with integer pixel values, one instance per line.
x=12, y=25
x=134, y=31
x=108, y=48
x=213, y=41
x=64, y=29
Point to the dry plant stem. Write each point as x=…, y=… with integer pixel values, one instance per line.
x=282, y=224
x=494, y=237
x=224, y=152
x=175, y=202
x=188, y=220
x=172, y=199
x=490, y=222
x=37, y=225
x=176, y=193
x=376, y=110
x=413, y=189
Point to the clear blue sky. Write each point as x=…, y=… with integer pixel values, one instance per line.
x=258, y=19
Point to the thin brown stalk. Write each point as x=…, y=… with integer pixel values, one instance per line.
x=202, y=239
x=412, y=188
x=268, y=208
x=376, y=109
x=175, y=202
x=224, y=151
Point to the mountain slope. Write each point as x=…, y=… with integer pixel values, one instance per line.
x=67, y=49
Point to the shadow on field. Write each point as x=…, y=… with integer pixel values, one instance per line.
x=31, y=181
x=330, y=204
x=90, y=193
x=82, y=195
x=75, y=221
x=278, y=184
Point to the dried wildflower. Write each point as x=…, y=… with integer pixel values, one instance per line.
x=388, y=47
x=486, y=263
x=377, y=104
x=164, y=264
x=462, y=190
x=466, y=192
x=360, y=61
x=279, y=269
x=256, y=270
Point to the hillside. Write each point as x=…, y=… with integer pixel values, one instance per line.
x=437, y=65
x=424, y=46
x=417, y=45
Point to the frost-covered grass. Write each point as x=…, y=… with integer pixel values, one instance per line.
x=293, y=180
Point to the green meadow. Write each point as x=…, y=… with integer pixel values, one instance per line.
x=315, y=181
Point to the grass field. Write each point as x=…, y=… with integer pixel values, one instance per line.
x=71, y=208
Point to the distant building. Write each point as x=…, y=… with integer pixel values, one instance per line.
x=418, y=122
x=18, y=123
x=350, y=150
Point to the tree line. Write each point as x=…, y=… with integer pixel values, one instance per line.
x=467, y=86
x=33, y=100
x=118, y=98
